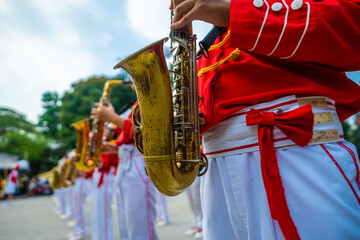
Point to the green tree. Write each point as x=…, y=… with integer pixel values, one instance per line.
x=49, y=120
x=11, y=120
x=20, y=137
x=352, y=131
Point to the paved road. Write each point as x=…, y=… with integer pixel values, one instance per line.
x=35, y=219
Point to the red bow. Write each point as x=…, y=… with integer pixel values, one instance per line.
x=298, y=126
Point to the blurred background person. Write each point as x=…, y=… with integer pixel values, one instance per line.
x=103, y=180
x=11, y=183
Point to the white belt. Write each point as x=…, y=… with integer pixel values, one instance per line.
x=233, y=136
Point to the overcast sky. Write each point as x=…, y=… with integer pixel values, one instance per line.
x=47, y=45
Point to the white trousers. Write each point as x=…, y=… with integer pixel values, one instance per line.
x=79, y=207
x=10, y=187
x=161, y=206
x=135, y=197
x=101, y=200
x=61, y=199
x=322, y=190
x=68, y=200
x=193, y=193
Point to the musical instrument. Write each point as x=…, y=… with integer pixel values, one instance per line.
x=88, y=143
x=52, y=176
x=166, y=125
x=67, y=173
x=54, y=180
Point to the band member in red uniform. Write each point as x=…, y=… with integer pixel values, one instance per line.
x=136, y=193
x=103, y=180
x=274, y=95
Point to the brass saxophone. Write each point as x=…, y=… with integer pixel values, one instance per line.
x=166, y=124
x=54, y=179
x=52, y=176
x=67, y=173
x=88, y=148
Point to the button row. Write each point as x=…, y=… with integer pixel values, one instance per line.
x=295, y=5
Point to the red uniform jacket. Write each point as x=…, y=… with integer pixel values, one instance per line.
x=288, y=47
x=108, y=160
x=126, y=136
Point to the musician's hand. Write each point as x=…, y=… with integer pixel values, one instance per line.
x=216, y=12
x=107, y=147
x=105, y=113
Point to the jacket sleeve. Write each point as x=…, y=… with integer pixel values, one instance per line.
x=326, y=32
x=127, y=134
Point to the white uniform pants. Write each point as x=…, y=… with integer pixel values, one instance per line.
x=135, y=197
x=161, y=206
x=79, y=207
x=101, y=218
x=322, y=190
x=68, y=200
x=193, y=193
x=61, y=198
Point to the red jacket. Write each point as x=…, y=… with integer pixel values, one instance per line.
x=108, y=160
x=126, y=136
x=294, y=47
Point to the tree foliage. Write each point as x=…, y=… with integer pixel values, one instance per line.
x=11, y=120
x=49, y=120
x=352, y=131
x=45, y=144
x=20, y=137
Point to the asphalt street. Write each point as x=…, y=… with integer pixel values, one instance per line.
x=35, y=218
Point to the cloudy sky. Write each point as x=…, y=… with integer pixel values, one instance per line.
x=47, y=45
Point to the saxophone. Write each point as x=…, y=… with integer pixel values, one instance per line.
x=52, y=176
x=54, y=179
x=166, y=123
x=88, y=148
x=66, y=174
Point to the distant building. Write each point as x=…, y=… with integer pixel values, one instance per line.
x=7, y=161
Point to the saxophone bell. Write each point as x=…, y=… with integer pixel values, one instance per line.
x=166, y=125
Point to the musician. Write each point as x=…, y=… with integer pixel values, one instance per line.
x=103, y=180
x=274, y=95
x=68, y=190
x=136, y=193
x=11, y=183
